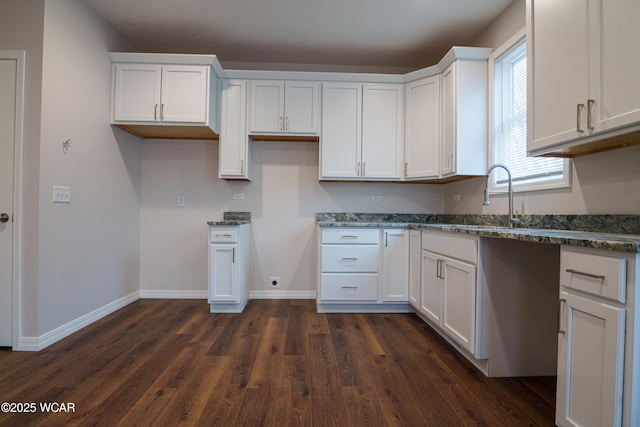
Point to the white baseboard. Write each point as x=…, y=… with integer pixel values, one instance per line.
x=282, y=294
x=55, y=335
x=174, y=294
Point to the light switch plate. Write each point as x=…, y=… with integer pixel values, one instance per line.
x=61, y=194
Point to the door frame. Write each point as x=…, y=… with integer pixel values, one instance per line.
x=20, y=57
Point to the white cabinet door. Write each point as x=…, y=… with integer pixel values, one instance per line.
x=302, y=108
x=223, y=273
x=341, y=130
x=614, y=63
x=267, y=106
x=558, y=62
x=233, y=134
x=415, y=261
x=185, y=92
x=459, y=317
x=136, y=95
x=432, y=291
x=590, y=363
x=422, y=137
x=395, y=265
x=382, y=131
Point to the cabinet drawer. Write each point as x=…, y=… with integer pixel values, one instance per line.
x=351, y=236
x=349, y=259
x=596, y=274
x=458, y=247
x=223, y=235
x=348, y=287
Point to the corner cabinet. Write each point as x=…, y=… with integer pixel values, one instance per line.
x=234, y=142
x=165, y=96
x=464, y=118
x=597, y=337
x=583, y=58
x=284, y=108
x=362, y=131
x=228, y=268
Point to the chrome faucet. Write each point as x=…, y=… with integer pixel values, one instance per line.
x=513, y=220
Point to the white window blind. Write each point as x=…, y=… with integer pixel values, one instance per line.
x=510, y=125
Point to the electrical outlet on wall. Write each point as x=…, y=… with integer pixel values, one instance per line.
x=274, y=282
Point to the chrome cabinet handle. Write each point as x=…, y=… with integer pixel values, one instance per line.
x=406, y=164
x=561, y=302
x=578, y=115
x=582, y=273
x=286, y=123
x=386, y=239
x=223, y=235
x=155, y=112
x=349, y=287
x=241, y=167
x=280, y=123
x=590, y=103
x=364, y=168
x=349, y=259
x=349, y=237
x=233, y=254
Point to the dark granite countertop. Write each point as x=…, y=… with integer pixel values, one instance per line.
x=233, y=218
x=611, y=232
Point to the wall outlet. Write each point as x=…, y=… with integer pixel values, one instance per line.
x=238, y=196
x=274, y=282
x=61, y=194
x=376, y=198
x=455, y=197
x=181, y=202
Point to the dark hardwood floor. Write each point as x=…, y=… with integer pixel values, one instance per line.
x=170, y=362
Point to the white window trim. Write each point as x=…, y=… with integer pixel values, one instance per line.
x=565, y=182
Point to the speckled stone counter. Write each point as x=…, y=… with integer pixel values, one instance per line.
x=611, y=232
x=233, y=218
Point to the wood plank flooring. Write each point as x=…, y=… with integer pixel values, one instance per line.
x=171, y=362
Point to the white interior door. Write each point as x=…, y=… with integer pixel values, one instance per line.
x=8, y=76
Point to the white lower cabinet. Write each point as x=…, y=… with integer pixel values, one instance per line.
x=597, y=369
x=228, y=268
x=448, y=288
x=415, y=267
x=363, y=269
x=395, y=265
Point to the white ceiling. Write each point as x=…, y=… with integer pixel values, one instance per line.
x=406, y=34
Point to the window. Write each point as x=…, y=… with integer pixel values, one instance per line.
x=509, y=125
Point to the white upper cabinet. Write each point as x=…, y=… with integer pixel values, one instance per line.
x=464, y=118
x=362, y=131
x=583, y=60
x=184, y=95
x=234, y=143
x=136, y=92
x=382, y=131
x=279, y=107
x=422, y=121
x=165, y=96
x=341, y=142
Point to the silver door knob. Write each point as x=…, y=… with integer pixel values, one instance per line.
x=4, y=217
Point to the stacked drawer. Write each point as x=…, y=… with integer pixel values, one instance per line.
x=349, y=260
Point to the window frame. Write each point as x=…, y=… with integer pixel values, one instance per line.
x=497, y=55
